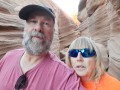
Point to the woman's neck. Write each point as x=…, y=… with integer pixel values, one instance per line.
x=84, y=79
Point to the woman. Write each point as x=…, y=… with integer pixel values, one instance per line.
x=85, y=58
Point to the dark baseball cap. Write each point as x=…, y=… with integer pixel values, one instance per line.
x=27, y=10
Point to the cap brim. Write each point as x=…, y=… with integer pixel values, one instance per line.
x=27, y=10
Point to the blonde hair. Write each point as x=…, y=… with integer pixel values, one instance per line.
x=85, y=42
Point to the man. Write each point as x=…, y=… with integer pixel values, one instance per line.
x=35, y=67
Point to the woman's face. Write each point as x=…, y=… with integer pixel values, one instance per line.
x=84, y=66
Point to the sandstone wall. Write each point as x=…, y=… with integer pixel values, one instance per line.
x=11, y=27
x=100, y=20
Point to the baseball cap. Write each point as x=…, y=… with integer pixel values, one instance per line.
x=27, y=10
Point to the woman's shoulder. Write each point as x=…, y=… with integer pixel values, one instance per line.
x=107, y=77
x=110, y=82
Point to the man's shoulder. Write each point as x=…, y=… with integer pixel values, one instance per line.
x=11, y=55
x=13, y=52
x=60, y=64
x=17, y=50
x=64, y=74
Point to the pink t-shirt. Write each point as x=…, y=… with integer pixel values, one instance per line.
x=50, y=74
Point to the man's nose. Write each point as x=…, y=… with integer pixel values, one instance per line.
x=79, y=57
x=38, y=27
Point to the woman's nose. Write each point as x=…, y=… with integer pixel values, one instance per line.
x=79, y=57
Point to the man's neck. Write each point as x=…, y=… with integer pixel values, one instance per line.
x=34, y=58
x=28, y=61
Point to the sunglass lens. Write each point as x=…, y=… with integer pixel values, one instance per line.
x=73, y=53
x=84, y=52
x=87, y=53
x=21, y=82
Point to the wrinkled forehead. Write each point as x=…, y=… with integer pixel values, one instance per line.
x=42, y=14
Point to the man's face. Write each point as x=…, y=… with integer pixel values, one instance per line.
x=38, y=33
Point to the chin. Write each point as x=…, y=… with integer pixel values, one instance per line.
x=82, y=73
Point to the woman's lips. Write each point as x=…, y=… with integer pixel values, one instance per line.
x=80, y=67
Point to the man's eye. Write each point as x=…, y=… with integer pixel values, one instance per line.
x=33, y=21
x=46, y=24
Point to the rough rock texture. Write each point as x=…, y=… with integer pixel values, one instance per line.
x=92, y=5
x=82, y=16
x=102, y=23
x=11, y=27
x=67, y=30
x=114, y=41
x=104, y=52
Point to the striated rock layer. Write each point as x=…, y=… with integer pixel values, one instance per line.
x=11, y=27
x=100, y=20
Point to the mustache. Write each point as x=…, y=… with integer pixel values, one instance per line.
x=38, y=34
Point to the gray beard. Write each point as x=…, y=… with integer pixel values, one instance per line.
x=33, y=46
